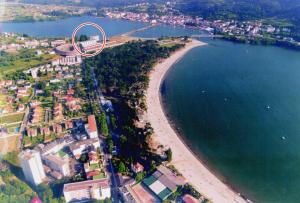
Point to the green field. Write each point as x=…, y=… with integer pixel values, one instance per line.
x=17, y=117
x=25, y=59
x=2, y=100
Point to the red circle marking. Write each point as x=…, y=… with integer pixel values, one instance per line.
x=103, y=38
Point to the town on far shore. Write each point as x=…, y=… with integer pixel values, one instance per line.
x=61, y=138
x=260, y=31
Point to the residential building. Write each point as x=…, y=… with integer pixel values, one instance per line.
x=189, y=199
x=32, y=166
x=91, y=127
x=87, y=190
x=32, y=132
x=87, y=145
x=136, y=168
x=58, y=164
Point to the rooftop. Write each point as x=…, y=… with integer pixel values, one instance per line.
x=56, y=160
x=100, y=183
x=28, y=154
x=77, y=145
x=92, y=123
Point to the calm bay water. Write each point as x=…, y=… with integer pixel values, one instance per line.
x=238, y=106
x=218, y=95
x=65, y=27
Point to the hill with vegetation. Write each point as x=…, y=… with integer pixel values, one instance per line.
x=243, y=9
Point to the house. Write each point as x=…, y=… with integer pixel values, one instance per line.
x=70, y=91
x=31, y=44
x=2, y=83
x=45, y=131
x=91, y=174
x=87, y=190
x=91, y=127
x=22, y=92
x=189, y=199
x=93, y=158
x=58, y=111
x=32, y=132
x=57, y=128
x=21, y=108
x=8, y=83
x=36, y=113
x=68, y=124
x=136, y=168
x=34, y=73
x=71, y=103
x=57, y=43
x=39, y=52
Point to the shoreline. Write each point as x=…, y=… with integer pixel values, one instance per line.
x=185, y=161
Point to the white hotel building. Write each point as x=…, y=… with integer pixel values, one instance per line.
x=32, y=167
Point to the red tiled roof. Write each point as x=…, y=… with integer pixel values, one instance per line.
x=92, y=123
x=35, y=200
x=92, y=173
x=189, y=199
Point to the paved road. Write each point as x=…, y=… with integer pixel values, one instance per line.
x=114, y=187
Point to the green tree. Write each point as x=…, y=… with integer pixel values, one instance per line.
x=140, y=176
x=110, y=144
x=84, y=158
x=169, y=154
x=113, y=121
x=121, y=167
x=103, y=124
x=83, y=38
x=45, y=192
x=98, y=152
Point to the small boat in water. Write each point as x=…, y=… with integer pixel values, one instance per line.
x=268, y=107
x=283, y=138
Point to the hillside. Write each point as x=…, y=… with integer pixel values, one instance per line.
x=284, y=10
x=242, y=9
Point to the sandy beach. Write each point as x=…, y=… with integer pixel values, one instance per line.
x=183, y=159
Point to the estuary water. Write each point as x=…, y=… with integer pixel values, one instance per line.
x=237, y=106
x=65, y=27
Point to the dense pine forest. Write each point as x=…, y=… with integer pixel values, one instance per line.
x=122, y=73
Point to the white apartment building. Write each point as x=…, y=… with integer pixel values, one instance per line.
x=58, y=164
x=77, y=148
x=87, y=190
x=32, y=167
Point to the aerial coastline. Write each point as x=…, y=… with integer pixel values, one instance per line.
x=198, y=175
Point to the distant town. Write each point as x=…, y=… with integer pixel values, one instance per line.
x=255, y=32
